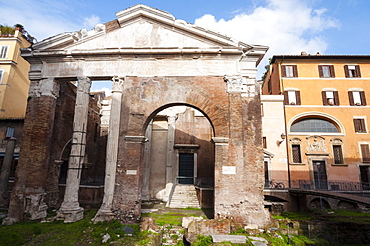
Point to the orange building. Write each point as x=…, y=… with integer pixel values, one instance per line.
x=326, y=117
x=14, y=82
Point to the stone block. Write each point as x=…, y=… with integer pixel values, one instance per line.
x=229, y=238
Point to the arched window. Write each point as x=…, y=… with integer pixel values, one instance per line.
x=314, y=125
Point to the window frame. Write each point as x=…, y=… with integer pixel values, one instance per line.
x=325, y=98
x=1, y=74
x=296, y=148
x=4, y=50
x=297, y=97
x=365, y=152
x=308, y=128
x=331, y=72
x=351, y=98
x=359, y=124
x=350, y=72
x=9, y=132
x=293, y=74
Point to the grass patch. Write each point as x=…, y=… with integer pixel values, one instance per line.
x=168, y=218
x=82, y=232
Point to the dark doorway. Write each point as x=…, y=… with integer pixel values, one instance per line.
x=319, y=172
x=186, y=168
x=364, y=173
x=267, y=178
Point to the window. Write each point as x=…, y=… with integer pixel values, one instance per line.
x=289, y=71
x=352, y=71
x=292, y=98
x=1, y=75
x=326, y=71
x=365, y=152
x=9, y=132
x=264, y=142
x=337, y=154
x=296, y=153
x=359, y=125
x=357, y=98
x=4, y=51
x=314, y=125
x=330, y=98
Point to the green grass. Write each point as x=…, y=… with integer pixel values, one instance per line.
x=168, y=218
x=82, y=232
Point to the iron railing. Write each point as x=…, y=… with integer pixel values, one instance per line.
x=318, y=185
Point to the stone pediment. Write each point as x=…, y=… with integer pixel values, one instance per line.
x=141, y=27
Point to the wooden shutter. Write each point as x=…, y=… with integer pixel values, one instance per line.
x=357, y=125
x=336, y=98
x=346, y=71
x=321, y=74
x=286, y=99
x=363, y=98
x=365, y=152
x=283, y=71
x=350, y=96
x=332, y=72
x=324, y=99
x=357, y=71
x=298, y=97
x=295, y=71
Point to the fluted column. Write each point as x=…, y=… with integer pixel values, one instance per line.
x=171, y=120
x=70, y=210
x=105, y=211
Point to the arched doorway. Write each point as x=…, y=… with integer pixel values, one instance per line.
x=179, y=158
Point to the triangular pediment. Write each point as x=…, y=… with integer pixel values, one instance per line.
x=141, y=27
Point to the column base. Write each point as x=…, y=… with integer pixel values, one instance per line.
x=70, y=215
x=104, y=215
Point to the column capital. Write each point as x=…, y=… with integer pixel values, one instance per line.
x=44, y=87
x=243, y=84
x=84, y=84
x=117, y=84
x=171, y=119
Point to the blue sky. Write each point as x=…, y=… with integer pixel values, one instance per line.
x=286, y=26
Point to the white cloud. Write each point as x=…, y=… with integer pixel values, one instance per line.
x=44, y=18
x=107, y=91
x=286, y=26
x=90, y=22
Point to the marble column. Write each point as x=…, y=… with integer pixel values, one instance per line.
x=70, y=211
x=105, y=211
x=145, y=196
x=170, y=177
x=5, y=170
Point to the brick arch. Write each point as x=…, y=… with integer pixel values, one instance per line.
x=211, y=111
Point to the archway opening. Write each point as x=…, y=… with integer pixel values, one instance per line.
x=179, y=158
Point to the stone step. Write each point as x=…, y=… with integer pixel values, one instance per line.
x=184, y=196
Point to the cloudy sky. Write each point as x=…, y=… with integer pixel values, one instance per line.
x=286, y=26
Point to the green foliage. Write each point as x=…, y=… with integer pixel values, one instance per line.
x=7, y=30
x=202, y=241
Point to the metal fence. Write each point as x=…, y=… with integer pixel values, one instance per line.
x=318, y=185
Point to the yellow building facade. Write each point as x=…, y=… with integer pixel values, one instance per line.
x=14, y=83
x=326, y=118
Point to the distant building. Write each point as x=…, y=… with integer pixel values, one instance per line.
x=14, y=82
x=325, y=115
